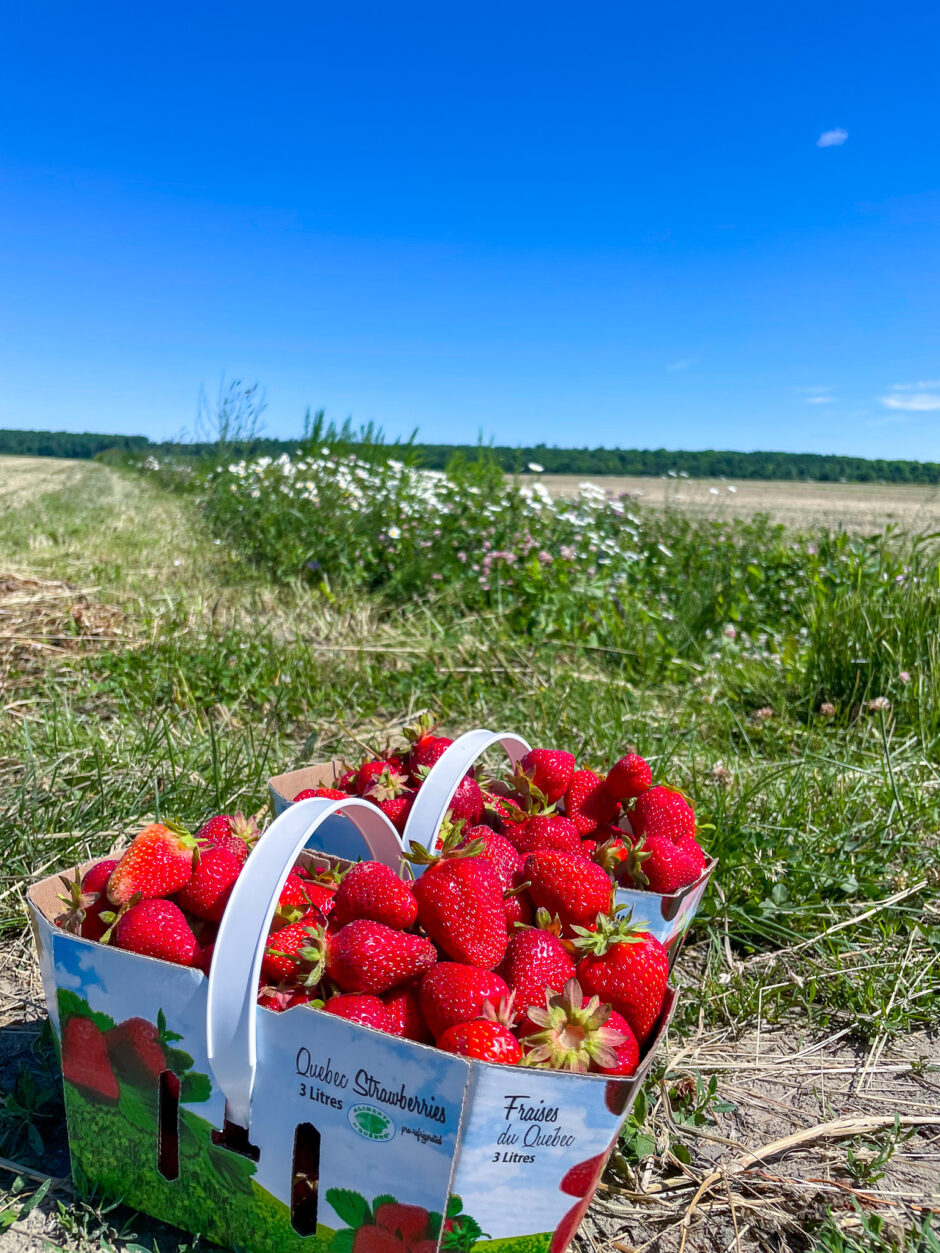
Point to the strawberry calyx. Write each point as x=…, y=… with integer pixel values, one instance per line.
x=617, y=927
x=536, y=800
x=609, y=855
x=389, y=784
x=573, y=1035
x=544, y=921
x=312, y=955
x=425, y=724
x=76, y=903
x=111, y=917
x=448, y=845
x=246, y=829
x=505, y=1013
x=635, y=859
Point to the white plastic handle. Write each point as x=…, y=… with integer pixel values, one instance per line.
x=437, y=791
x=231, y=1007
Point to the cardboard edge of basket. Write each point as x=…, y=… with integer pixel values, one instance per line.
x=284, y=787
x=670, y=904
x=44, y=906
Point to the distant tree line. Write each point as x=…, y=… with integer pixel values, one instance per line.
x=708, y=463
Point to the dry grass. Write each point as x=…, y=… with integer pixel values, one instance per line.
x=853, y=506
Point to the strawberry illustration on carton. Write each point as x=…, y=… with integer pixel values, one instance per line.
x=190, y=1101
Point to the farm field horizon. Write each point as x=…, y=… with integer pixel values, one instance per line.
x=168, y=641
x=854, y=506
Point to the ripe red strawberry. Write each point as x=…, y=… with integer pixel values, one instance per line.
x=321, y=895
x=588, y=803
x=497, y=850
x=567, y=1228
x=536, y=961
x=627, y=968
x=664, y=865
x=425, y=755
x=207, y=892
x=663, y=811
x=544, y=774
x=284, y=996
x=327, y=793
x=460, y=905
x=369, y=957
x=582, y=1179
x=568, y=885
x=452, y=993
x=467, y=803
x=545, y=831
x=628, y=1051
x=568, y=1033
x=346, y=782
x=294, y=953
x=408, y=1222
x=630, y=777
x=426, y=748
x=232, y=831
x=371, y=890
x=159, y=862
x=85, y=1061
x=380, y=778
x=367, y=1010
x=484, y=1040
x=404, y=1006
x=136, y=1050
x=293, y=902
x=502, y=811
x=518, y=909
x=397, y=808
x=95, y=879
x=157, y=928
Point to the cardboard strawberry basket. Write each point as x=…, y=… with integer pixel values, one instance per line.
x=300, y=1130
x=667, y=916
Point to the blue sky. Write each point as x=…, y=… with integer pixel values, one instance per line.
x=602, y=224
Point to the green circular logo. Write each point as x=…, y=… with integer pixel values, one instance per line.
x=371, y=1123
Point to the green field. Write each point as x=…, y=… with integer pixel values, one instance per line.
x=167, y=644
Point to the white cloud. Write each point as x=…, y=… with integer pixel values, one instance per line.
x=914, y=402
x=923, y=386
x=817, y=395
x=682, y=365
x=832, y=139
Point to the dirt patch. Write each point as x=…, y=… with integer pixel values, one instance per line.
x=812, y=1131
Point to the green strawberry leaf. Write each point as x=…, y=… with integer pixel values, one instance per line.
x=195, y=1087
x=178, y=1061
x=71, y=1005
x=166, y=1037
x=352, y=1208
x=435, y=1222
x=343, y=1241
x=383, y=1200
x=454, y=1205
